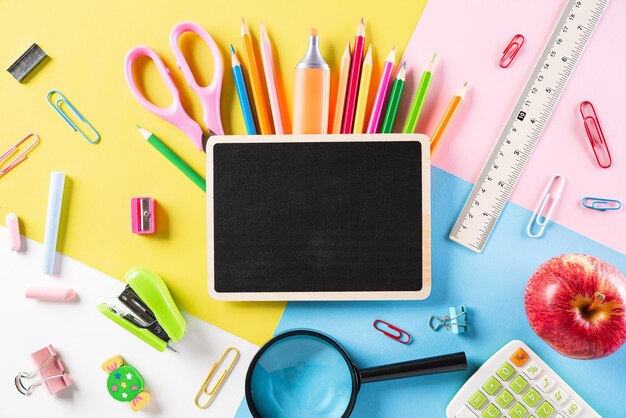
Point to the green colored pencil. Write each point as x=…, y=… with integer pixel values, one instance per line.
x=420, y=98
x=174, y=159
x=394, y=101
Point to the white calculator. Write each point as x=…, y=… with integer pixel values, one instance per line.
x=516, y=383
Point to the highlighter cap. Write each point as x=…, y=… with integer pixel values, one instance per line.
x=313, y=57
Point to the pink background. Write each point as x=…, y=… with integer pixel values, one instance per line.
x=469, y=46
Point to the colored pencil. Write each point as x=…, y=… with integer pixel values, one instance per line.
x=344, y=72
x=364, y=91
x=447, y=117
x=381, y=93
x=254, y=76
x=353, y=85
x=271, y=80
x=420, y=98
x=242, y=93
x=173, y=158
x=394, y=101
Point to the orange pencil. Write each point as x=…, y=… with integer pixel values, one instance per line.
x=447, y=118
x=256, y=86
x=342, y=88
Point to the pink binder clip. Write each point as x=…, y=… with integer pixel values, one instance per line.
x=143, y=215
x=595, y=134
x=49, y=368
x=510, y=52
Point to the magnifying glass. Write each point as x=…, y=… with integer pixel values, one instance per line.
x=304, y=373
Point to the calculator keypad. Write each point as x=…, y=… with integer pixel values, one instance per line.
x=520, y=388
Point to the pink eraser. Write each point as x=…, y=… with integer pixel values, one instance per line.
x=13, y=228
x=55, y=294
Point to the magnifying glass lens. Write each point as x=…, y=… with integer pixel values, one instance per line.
x=302, y=376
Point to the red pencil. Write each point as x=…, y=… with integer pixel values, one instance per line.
x=353, y=83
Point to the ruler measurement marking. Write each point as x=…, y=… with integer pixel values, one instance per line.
x=517, y=140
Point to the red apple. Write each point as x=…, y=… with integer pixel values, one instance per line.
x=577, y=304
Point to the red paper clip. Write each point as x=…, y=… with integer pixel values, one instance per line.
x=510, y=52
x=399, y=335
x=595, y=134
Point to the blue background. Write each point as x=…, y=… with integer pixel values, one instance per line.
x=492, y=286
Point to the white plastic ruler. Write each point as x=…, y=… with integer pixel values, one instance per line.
x=526, y=123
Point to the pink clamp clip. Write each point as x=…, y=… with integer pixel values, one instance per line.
x=143, y=215
x=595, y=134
x=510, y=52
x=398, y=334
x=49, y=368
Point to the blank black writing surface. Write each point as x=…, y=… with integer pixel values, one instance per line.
x=317, y=216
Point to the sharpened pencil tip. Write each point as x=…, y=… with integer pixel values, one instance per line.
x=313, y=32
x=232, y=49
x=138, y=127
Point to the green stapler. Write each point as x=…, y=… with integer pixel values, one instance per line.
x=154, y=316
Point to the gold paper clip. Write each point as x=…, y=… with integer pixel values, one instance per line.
x=18, y=159
x=213, y=391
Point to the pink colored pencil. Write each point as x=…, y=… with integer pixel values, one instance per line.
x=271, y=80
x=381, y=93
x=353, y=83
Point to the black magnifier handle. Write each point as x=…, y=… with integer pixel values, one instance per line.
x=431, y=365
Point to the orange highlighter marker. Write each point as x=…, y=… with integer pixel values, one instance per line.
x=312, y=91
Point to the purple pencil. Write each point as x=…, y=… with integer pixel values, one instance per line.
x=381, y=94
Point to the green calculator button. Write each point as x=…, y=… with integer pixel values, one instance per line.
x=504, y=398
x=532, y=397
x=545, y=410
x=505, y=371
x=518, y=411
x=492, y=385
x=478, y=400
x=491, y=412
x=519, y=384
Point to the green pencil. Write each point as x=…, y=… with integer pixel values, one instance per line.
x=174, y=159
x=420, y=98
x=394, y=101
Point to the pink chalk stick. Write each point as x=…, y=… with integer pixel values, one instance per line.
x=54, y=294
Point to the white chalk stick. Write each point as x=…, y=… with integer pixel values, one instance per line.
x=53, y=217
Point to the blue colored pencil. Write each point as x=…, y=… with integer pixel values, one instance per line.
x=242, y=93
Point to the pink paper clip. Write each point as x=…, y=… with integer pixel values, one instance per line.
x=49, y=368
x=595, y=134
x=143, y=215
x=23, y=155
x=399, y=335
x=510, y=52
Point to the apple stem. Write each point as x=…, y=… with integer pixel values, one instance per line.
x=598, y=298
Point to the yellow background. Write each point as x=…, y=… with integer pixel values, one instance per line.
x=87, y=42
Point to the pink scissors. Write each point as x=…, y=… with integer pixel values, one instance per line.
x=209, y=95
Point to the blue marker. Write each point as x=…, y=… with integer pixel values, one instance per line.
x=242, y=93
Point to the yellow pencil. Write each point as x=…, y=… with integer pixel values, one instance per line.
x=457, y=99
x=364, y=90
x=258, y=93
x=344, y=72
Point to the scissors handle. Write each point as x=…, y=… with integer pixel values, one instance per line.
x=174, y=113
x=209, y=95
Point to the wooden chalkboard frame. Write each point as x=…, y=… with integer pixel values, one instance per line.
x=323, y=295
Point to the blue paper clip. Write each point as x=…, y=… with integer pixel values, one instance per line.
x=541, y=215
x=57, y=106
x=601, y=204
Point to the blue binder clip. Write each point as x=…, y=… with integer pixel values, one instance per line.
x=455, y=321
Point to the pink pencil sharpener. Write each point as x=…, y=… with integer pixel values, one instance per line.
x=143, y=215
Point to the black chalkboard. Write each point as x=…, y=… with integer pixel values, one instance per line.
x=317, y=216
